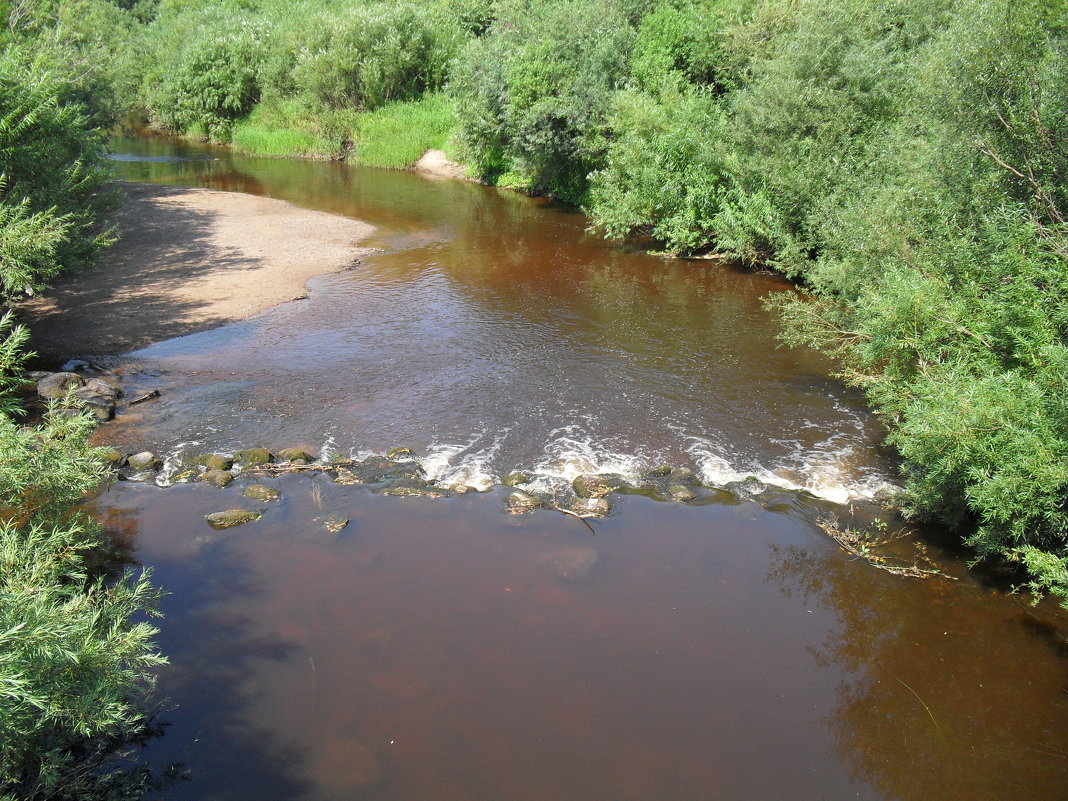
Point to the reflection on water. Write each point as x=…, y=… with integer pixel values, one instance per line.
x=446, y=650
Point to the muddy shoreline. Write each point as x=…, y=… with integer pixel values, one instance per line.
x=189, y=260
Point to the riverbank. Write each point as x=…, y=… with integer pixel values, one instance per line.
x=188, y=260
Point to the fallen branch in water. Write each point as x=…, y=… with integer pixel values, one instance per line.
x=862, y=545
x=147, y=396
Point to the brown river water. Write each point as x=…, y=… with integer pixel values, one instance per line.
x=444, y=650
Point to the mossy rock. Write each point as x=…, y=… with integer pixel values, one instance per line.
x=414, y=488
x=185, y=477
x=516, y=478
x=295, y=456
x=261, y=492
x=591, y=486
x=215, y=461
x=520, y=502
x=684, y=475
x=681, y=493
x=144, y=462
x=400, y=453
x=253, y=456
x=660, y=471
x=230, y=518
x=217, y=478
x=113, y=458
x=595, y=507
x=346, y=477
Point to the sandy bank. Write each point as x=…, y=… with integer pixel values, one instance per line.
x=189, y=260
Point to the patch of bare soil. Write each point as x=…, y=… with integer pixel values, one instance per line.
x=189, y=260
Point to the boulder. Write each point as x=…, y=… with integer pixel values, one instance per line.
x=414, y=488
x=400, y=453
x=253, y=456
x=660, y=471
x=217, y=478
x=230, y=518
x=261, y=492
x=55, y=385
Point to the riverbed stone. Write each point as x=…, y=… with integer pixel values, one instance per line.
x=113, y=458
x=414, y=488
x=519, y=502
x=261, y=492
x=516, y=478
x=684, y=476
x=217, y=478
x=145, y=461
x=596, y=507
x=400, y=453
x=56, y=385
x=230, y=518
x=380, y=470
x=215, y=461
x=295, y=456
x=597, y=486
x=573, y=563
x=334, y=523
x=660, y=471
x=680, y=493
x=104, y=386
x=102, y=407
x=253, y=456
x=185, y=477
x=346, y=477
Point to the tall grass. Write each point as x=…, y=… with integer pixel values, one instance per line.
x=398, y=134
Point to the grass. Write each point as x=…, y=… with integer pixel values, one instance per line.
x=398, y=134
x=286, y=128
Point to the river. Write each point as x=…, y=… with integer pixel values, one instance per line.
x=444, y=649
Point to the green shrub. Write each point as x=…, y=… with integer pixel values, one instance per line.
x=534, y=93
x=363, y=57
x=53, y=169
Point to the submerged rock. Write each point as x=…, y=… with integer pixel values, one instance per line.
x=230, y=518
x=217, y=478
x=253, y=456
x=344, y=476
x=591, y=486
x=681, y=493
x=334, y=523
x=261, y=492
x=571, y=564
x=414, y=488
x=516, y=478
x=519, y=502
x=145, y=461
x=185, y=477
x=597, y=507
x=380, y=470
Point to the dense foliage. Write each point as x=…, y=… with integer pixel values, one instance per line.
x=905, y=160
x=74, y=663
